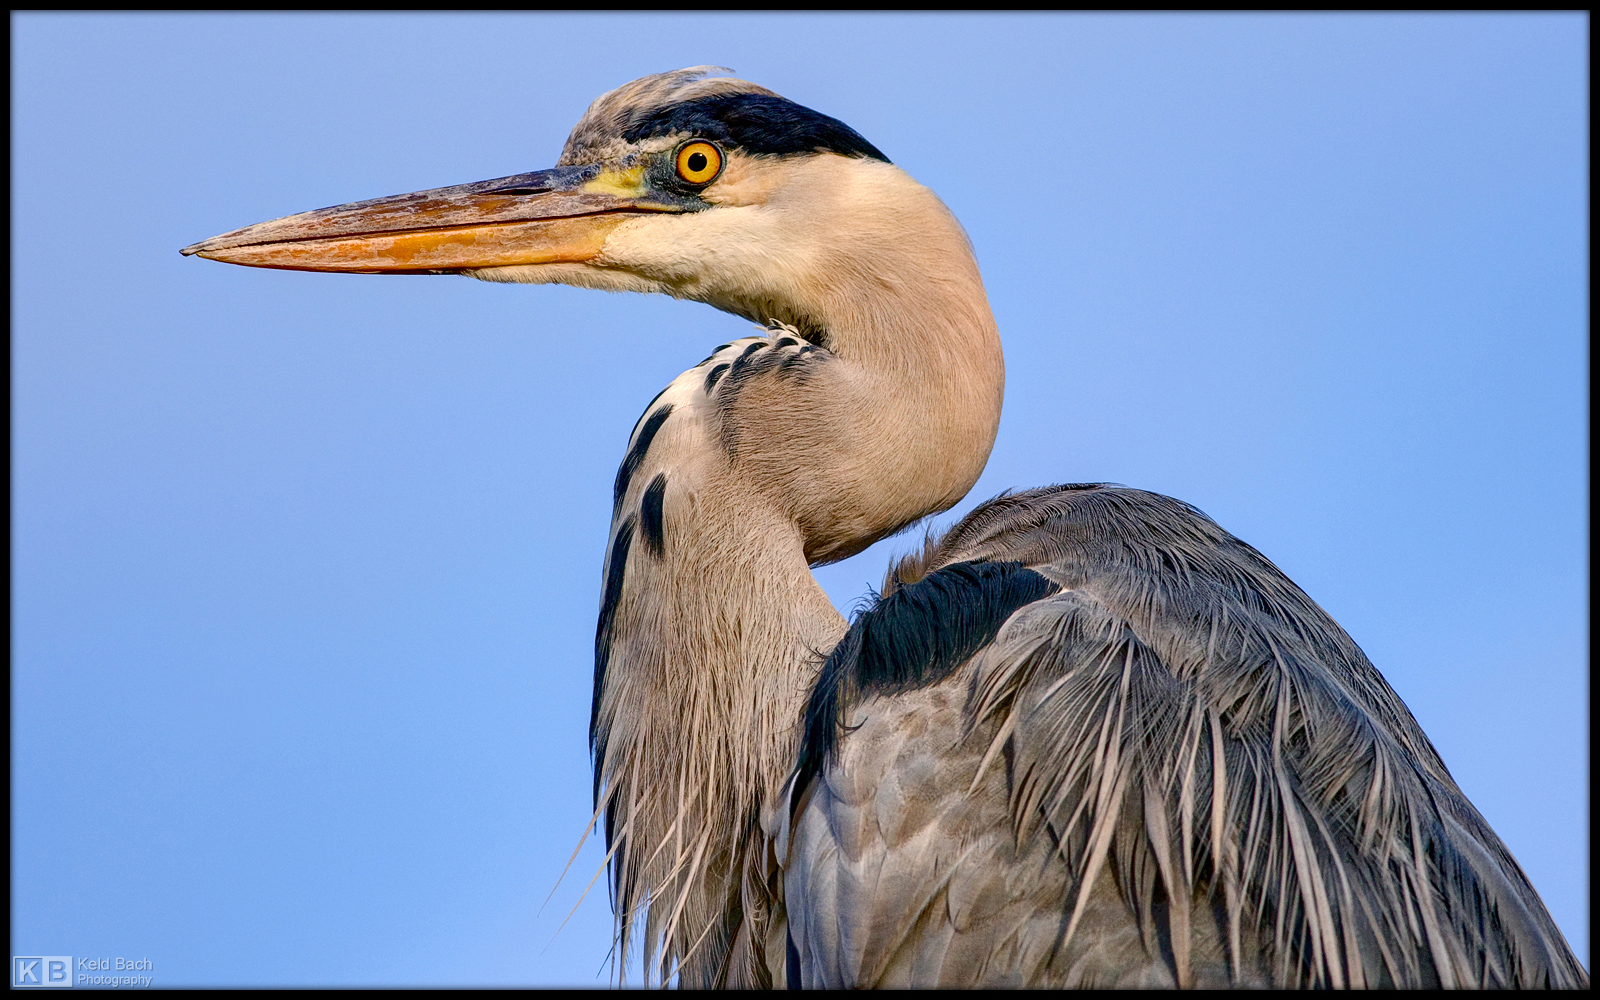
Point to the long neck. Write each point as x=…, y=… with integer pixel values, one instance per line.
x=869, y=264
x=774, y=454
x=710, y=629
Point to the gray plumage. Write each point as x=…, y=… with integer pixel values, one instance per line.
x=1175, y=771
x=1087, y=738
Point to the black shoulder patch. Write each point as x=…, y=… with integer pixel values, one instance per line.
x=651, y=521
x=616, y=567
x=914, y=637
x=760, y=124
x=635, y=455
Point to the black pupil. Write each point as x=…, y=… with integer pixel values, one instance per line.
x=697, y=162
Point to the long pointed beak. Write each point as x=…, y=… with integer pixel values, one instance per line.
x=564, y=214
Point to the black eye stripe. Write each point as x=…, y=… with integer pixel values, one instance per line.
x=759, y=124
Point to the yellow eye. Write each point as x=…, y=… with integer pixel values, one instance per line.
x=699, y=162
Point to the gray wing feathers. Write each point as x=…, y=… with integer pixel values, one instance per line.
x=909, y=880
x=1177, y=771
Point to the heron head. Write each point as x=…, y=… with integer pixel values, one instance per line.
x=686, y=183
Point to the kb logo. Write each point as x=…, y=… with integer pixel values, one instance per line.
x=42, y=970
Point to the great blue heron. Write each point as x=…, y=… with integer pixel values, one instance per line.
x=1086, y=737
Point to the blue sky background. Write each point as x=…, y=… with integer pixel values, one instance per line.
x=305, y=566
